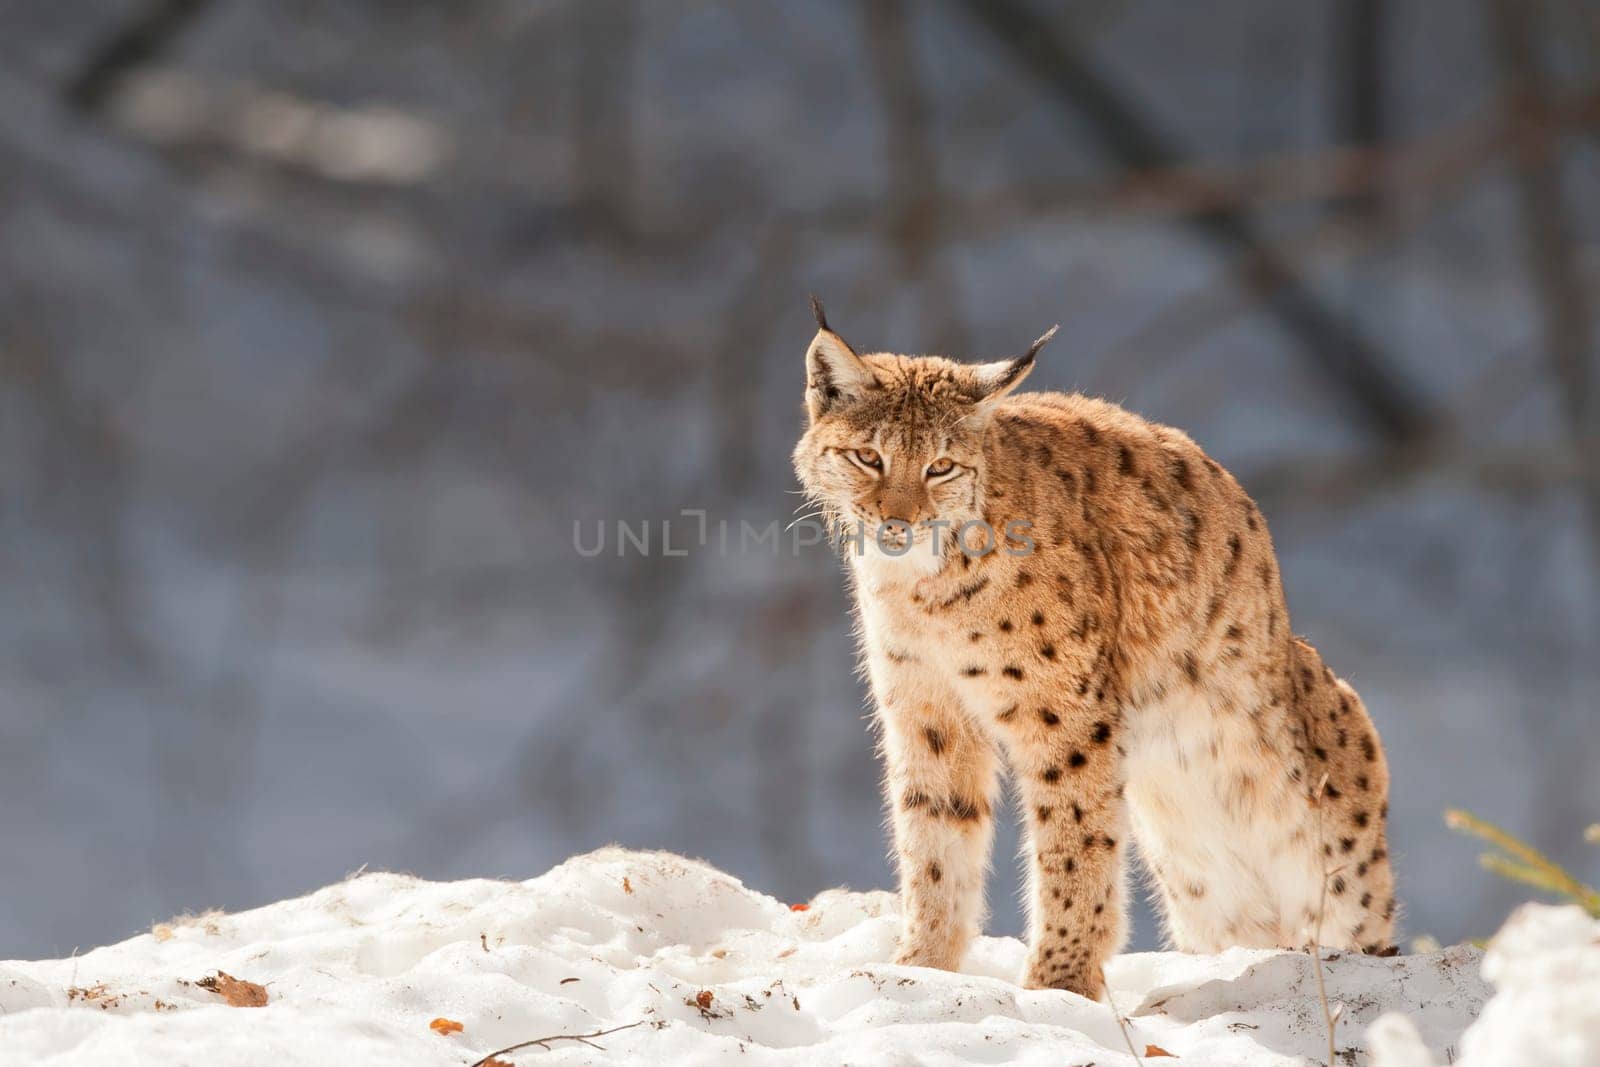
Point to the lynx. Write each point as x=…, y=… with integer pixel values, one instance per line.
x=1053, y=584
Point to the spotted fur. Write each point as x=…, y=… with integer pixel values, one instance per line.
x=1131, y=665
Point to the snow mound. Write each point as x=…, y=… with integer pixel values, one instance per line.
x=1545, y=964
x=713, y=972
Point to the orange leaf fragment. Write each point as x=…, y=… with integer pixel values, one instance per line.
x=445, y=1027
x=703, y=999
x=493, y=1062
x=1153, y=1051
x=236, y=991
x=627, y=886
x=799, y=907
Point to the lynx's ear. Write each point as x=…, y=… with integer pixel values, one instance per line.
x=995, y=380
x=834, y=373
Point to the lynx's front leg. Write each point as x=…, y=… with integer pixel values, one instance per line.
x=1069, y=775
x=940, y=776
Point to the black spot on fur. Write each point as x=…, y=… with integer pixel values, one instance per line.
x=965, y=592
x=1014, y=673
x=1048, y=717
x=935, y=740
x=1181, y=473
x=1235, y=550
x=1077, y=759
x=1101, y=733
x=1191, y=530
x=965, y=810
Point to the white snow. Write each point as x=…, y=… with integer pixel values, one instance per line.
x=717, y=973
x=1545, y=964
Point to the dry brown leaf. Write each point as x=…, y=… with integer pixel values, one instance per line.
x=236, y=991
x=703, y=999
x=492, y=1062
x=1152, y=1051
x=627, y=886
x=445, y=1027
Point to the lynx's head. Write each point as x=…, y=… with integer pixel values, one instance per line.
x=895, y=443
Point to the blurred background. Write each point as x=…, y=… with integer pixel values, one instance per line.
x=322, y=325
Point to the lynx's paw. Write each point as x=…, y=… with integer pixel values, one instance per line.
x=927, y=949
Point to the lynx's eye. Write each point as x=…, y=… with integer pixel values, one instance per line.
x=869, y=458
x=940, y=467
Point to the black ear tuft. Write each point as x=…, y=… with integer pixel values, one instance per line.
x=1020, y=366
x=995, y=380
x=819, y=314
x=1044, y=339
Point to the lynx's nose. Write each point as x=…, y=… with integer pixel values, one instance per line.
x=901, y=507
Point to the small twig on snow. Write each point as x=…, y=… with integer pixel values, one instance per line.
x=544, y=1042
x=1117, y=1015
x=1316, y=940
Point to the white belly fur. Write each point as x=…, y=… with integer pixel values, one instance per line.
x=1234, y=872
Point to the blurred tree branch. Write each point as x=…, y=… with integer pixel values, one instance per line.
x=912, y=159
x=1362, y=372
x=145, y=36
x=602, y=132
x=1552, y=257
